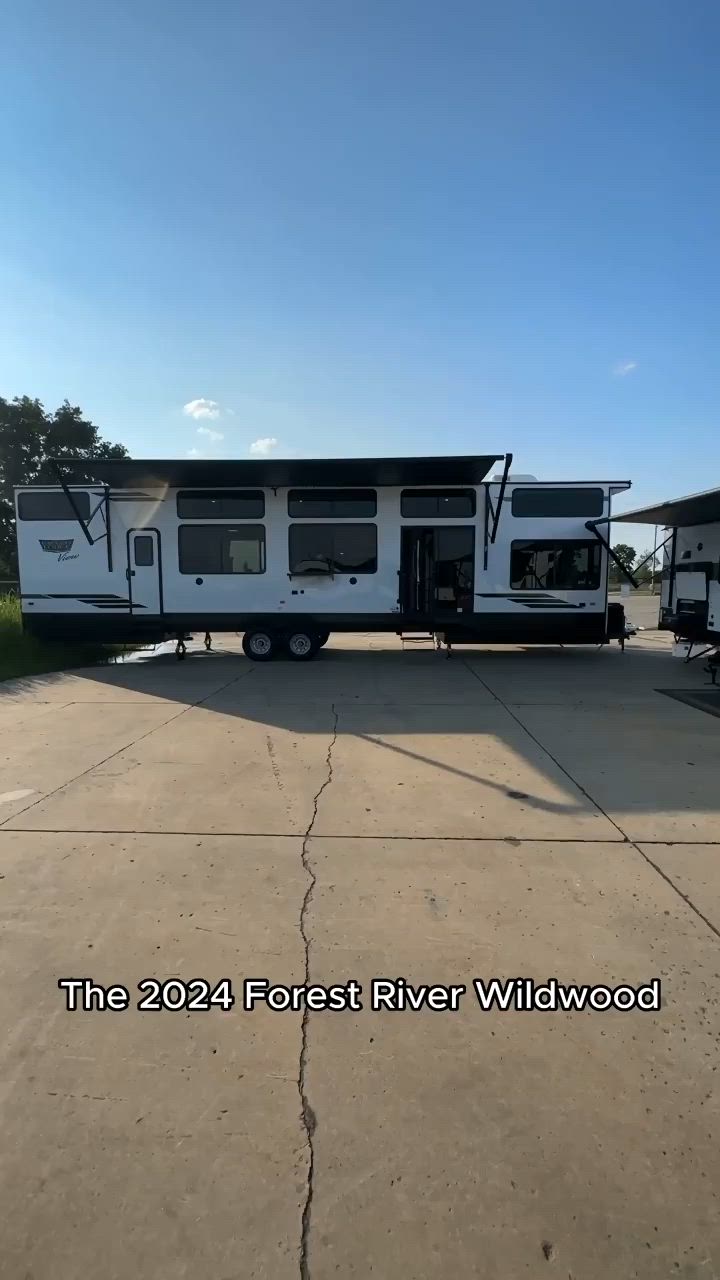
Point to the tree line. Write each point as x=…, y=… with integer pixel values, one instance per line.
x=29, y=437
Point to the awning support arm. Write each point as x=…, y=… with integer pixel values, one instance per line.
x=503, y=486
x=652, y=553
x=71, y=500
x=592, y=525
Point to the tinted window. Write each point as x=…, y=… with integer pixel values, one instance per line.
x=336, y=504
x=221, y=504
x=217, y=548
x=52, y=505
x=433, y=504
x=144, y=550
x=333, y=548
x=558, y=502
x=567, y=566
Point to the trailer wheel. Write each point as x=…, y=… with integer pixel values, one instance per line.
x=260, y=646
x=301, y=646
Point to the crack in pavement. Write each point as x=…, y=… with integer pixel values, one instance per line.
x=308, y=1115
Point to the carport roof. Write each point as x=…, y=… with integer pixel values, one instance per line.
x=124, y=473
x=697, y=508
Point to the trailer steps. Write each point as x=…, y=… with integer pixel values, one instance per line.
x=413, y=637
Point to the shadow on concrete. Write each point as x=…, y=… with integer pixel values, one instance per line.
x=592, y=721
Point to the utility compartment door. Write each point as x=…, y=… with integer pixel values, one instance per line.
x=144, y=571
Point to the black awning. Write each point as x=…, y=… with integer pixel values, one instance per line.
x=697, y=508
x=174, y=473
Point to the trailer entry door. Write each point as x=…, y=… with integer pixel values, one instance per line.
x=437, y=570
x=144, y=572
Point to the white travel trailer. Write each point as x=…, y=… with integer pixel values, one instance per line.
x=287, y=551
x=690, y=595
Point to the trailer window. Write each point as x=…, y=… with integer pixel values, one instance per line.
x=566, y=566
x=564, y=501
x=435, y=504
x=218, y=548
x=221, y=504
x=333, y=548
x=52, y=505
x=332, y=504
x=143, y=550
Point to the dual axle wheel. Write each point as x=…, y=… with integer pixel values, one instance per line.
x=299, y=645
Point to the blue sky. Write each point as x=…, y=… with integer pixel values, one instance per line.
x=379, y=227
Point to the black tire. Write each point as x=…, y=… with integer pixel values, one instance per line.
x=301, y=645
x=260, y=645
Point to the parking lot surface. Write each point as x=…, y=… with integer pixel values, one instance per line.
x=377, y=813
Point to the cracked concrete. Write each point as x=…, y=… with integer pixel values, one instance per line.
x=372, y=814
x=308, y=1114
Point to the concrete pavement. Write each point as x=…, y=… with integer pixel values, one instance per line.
x=374, y=814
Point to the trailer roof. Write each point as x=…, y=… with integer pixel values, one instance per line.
x=697, y=508
x=124, y=473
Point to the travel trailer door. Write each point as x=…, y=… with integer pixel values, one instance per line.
x=144, y=573
x=691, y=579
x=714, y=607
x=437, y=567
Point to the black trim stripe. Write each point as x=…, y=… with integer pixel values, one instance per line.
x=697, y=566
x=99, y=601
x=538, y=599
x=70, y=595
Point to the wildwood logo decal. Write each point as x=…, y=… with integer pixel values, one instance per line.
x=60, y=546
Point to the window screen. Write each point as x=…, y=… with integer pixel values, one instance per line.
x=567, y=566
x=221, y=504
x=433, y=504
x=333, y=548
x=143, y=550
x=217, y=548
x=52, y=505
x=558, y=502
x=335, y=504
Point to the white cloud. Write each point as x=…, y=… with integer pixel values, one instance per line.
x=263, y=447
x=624, y=367
x=202, y=408
x=194, y=453
x=211, y=435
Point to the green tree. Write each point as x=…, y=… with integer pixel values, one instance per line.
x=625, y=554
x=29, y=437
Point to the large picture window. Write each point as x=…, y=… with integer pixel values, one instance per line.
x=562, y=501
x=221, y=504
x=333, y=548
x=332, y=504
x=565, y=566
x=437, y=504
x=221, y=548
x=52, y=505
